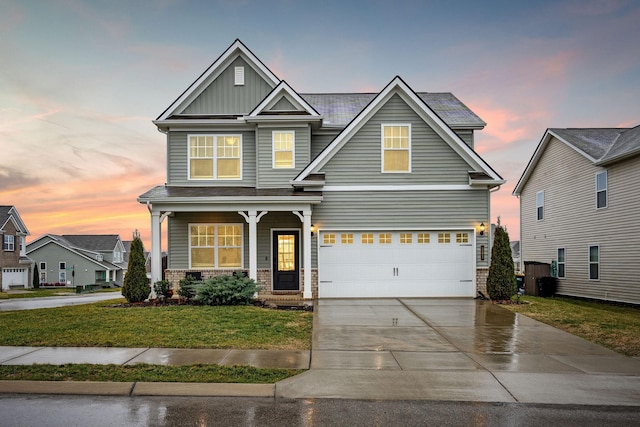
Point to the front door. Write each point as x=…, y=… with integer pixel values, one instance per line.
x=286, y=258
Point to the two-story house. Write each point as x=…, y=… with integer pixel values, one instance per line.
x=579, y=201
x=15, y=266
x=322, y=194
x=83, y=259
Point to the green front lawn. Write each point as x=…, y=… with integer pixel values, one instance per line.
x=614, y=327
x=48, y=292
x=180, y=326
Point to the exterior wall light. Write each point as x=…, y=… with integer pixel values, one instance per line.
x=482, y=228
x=313, y=230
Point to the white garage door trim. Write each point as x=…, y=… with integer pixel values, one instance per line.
x=398, y=263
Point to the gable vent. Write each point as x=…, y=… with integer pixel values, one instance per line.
x=239, y=76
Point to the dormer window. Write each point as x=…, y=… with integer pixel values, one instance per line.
x=239, y=76
x=99, y=257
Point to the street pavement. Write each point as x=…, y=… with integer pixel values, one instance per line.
x=391, y=349
x=60, y=301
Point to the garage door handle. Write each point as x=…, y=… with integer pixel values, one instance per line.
x=326, y=281
x=469, y=280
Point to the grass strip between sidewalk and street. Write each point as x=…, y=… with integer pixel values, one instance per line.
x=107, y=324
x=146, y=373
x=612, y=326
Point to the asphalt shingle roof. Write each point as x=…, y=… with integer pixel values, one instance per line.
x=602, y=144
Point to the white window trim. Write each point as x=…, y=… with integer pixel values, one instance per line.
x=215, y=156
x=589, y=262
x=382, y=149
x=9, y=243
x=563, y=262
x=216, y=247
x=538, y=206
x=606, y=190
x=62, y=271
x=293, y=148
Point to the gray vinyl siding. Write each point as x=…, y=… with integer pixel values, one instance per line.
x=572, y=221
x=283, y=104
x=466, y=135
x=268, y=177
x=53, y=254
x=178, y=159
x=178, y=230
x=420, y=210
x=222, y=96
x=320, y=141
x=433, y=161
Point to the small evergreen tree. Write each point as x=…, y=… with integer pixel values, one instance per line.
x=136, y=286
x=36, y=277
x=501, y=283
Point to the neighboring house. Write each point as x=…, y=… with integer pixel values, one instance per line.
x=15, y=266
x=515, y=254
x=579, y=203
x=325, y=194
x=79, y=259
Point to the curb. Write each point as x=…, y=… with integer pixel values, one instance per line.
x=105, y=388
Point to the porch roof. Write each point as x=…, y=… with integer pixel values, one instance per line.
x=165, y=193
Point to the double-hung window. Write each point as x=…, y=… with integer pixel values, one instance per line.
x=540, y=205
x=9, y=243
x=62, y=272
x=283, y=149
x=215, y=157
x=396, y=148
x=594, y=262
x=561, y=263
x=215, y=245
x=601, y=190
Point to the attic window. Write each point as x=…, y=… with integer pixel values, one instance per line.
x=239, y=76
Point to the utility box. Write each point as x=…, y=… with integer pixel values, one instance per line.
x=533, y=270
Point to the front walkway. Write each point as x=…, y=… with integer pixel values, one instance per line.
x=455, y=349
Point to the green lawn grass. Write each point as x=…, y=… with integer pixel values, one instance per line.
x=614, y=327
x=146, y=373
x=48, y=292
x=105, y=324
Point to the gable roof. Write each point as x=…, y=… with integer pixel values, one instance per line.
x=283, y=90
x=399, y=87
x=94, y=245
x=601, y=146
x=94, y=242
x=10, y=213
x=236, y=49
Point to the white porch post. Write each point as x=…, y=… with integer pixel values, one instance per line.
x=253, y=245
x=306, y=254
x=156, y=251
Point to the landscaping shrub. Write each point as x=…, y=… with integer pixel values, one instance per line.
x=501, y=283
x=136, y=284
x=163, y=289
x=188, y=289
x=36, y=277
x=228, y=290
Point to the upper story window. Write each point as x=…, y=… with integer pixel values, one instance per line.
x=117, y=256
x=540, y=205
x=283, y=149
x=601, y=190
x=215, y=157
x=9, y=243
x=238, y=76
x=396, y=148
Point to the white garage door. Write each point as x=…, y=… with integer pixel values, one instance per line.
x=379, y=264
x=13, y=277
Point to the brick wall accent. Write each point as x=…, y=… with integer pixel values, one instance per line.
x=481, y=280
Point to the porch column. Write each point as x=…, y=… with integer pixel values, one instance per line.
x=156, y=251
x=306, y=254
x=252, y=219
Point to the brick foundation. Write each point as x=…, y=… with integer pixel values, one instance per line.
x=481, y=280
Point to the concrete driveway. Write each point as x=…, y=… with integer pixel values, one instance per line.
x=455, y=349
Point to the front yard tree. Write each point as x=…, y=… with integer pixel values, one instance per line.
x=136, y=284
x=501, y=283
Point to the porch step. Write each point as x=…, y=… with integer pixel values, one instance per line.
x=282, y=300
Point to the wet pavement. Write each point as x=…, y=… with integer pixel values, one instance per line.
x=455, y=349
x=51, y=302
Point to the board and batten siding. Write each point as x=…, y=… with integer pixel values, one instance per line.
x=420, y=210
x=267, y=175
x=178, y=160
x=433, y=161
x=572, y=221
x=222, y=96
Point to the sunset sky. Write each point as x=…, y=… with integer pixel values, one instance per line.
x=80, y=82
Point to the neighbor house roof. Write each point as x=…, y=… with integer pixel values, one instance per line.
x=88, y=246
x=10, y=213
x=601, y=146
x=93, y=242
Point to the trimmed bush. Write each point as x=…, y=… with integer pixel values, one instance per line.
x=163, y=289
x=501, y=283
x=188, y=288
x=136, y=284
x=228, y=290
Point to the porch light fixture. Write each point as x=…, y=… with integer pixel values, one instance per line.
x=313, y=230
x=482, y=228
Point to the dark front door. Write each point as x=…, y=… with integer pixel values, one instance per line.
x=286, y=271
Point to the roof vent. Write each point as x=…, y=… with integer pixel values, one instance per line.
x=239, y=76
